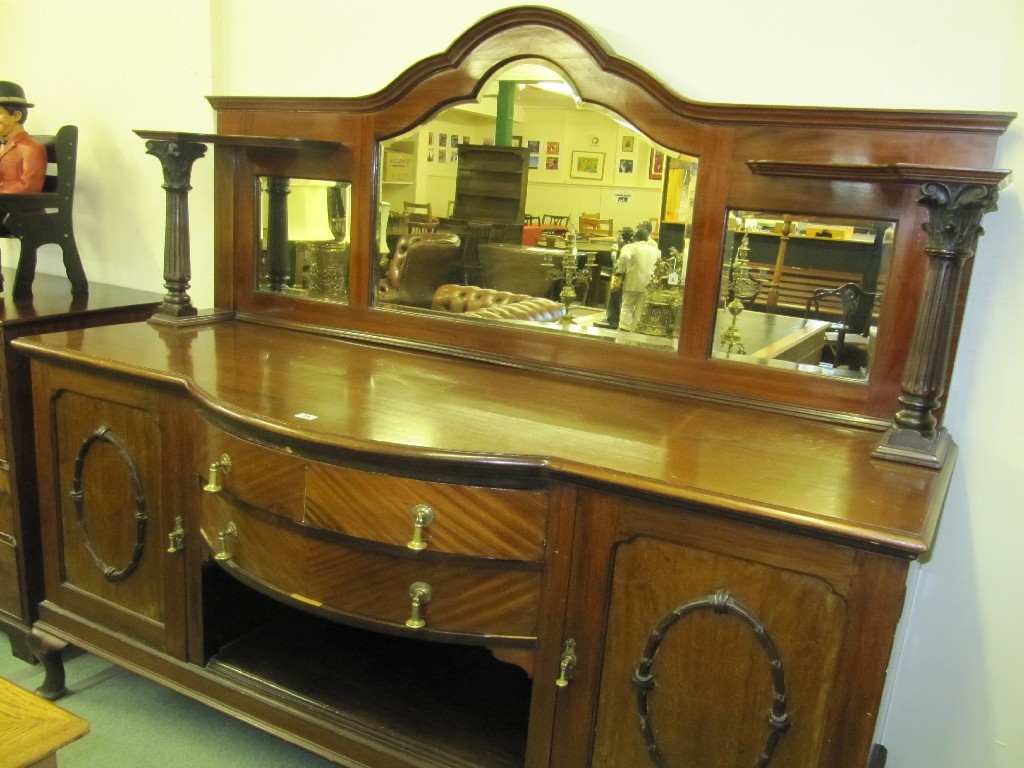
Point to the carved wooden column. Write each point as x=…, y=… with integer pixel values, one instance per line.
x=177, y=151
x=954, y=225
x=176, y=156
x=279, y=273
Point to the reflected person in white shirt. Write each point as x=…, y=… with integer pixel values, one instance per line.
x=635, y=267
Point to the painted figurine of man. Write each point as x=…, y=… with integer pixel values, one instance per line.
x=22, y=158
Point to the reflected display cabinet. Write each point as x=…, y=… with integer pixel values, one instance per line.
x=406, y=536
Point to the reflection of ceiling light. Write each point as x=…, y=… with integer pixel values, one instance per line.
x=556, y=86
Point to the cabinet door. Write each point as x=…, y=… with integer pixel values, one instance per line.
x=720, y=644
x=107, y=506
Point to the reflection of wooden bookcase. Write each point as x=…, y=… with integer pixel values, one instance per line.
x=491, y=184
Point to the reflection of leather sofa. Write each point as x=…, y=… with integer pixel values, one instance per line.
x=422, y=262
x=489, y=303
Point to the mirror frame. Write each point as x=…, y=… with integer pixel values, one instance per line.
x=830, y=161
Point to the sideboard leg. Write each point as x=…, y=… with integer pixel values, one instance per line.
x=878, y=756
x=49, y=649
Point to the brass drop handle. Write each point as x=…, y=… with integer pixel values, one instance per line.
x=231, y=532
x=212, y=486
x=422, y=515
x=176, y=538
x=419, y=591
x=567, y=665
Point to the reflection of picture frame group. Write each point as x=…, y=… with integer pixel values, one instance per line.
x=587, y=165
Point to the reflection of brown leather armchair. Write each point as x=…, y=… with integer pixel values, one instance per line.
x=422, y=262
x=503, y=305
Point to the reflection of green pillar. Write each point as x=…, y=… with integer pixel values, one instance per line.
x=506, y=109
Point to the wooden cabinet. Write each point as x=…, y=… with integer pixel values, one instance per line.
x=490, y=185
x=582, y=564
x=110, y=505
x=408, y=539
x=51, y=308
x=721, y=642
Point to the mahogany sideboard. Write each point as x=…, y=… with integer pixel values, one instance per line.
x=592, y=553
x=50, y=308
x=404, y=537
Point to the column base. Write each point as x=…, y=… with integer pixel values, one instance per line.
x=911, y=447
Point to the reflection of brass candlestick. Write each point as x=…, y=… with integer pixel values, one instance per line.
x=742, y=288
x=731, y=336
x=569, y=272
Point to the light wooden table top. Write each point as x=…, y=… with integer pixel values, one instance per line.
x=32, y=729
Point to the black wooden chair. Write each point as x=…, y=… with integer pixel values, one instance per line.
x=847, y=335
x=45, y=218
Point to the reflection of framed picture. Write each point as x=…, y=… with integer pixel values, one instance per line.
x=551, y=163
x=657, y=164
x=517, y=141
x=534, y=146
x=552, y=147
x=627, y=143
x=625, y=166
x=587, y=165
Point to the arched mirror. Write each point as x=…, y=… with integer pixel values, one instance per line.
x=530, y=207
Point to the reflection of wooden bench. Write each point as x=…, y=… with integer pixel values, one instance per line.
x=32, y=729
x=797, y=285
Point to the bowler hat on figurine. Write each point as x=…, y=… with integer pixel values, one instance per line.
x=13, y=94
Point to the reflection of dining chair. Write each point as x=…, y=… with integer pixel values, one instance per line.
x=530, y=220
x=421, y=264
x=422, y=211
x=595, y=227
x=847, y=336
x=556, y=221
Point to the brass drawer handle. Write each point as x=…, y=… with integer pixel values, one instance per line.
x=420, y=592
x=213, y=486
x=231, y=532
x=422, y=515
x=567, y=665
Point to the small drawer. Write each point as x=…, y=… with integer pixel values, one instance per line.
x=480, y=599
x=254, y=474
x=465, y=520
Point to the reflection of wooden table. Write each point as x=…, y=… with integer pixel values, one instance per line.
x=520, y=269
x=32, y=729
x=774, y=337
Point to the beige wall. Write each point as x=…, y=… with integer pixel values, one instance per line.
x=124, y=64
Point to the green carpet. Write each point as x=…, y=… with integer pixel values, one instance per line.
x=139, y=724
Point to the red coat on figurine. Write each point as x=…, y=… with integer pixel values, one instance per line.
x=22, y=158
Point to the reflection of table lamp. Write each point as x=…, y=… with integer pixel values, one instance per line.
x=316, y=224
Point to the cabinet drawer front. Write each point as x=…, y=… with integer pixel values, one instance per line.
x=467, y=598
x=479, y=522
x=258, y=475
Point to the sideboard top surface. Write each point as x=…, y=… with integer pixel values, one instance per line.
x=406, y=406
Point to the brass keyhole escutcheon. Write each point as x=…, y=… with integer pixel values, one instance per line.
x=422, y=515
x=213, y=484
x=420, y=593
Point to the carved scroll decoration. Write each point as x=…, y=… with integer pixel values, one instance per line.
x=104, y=434
x=721, y=601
